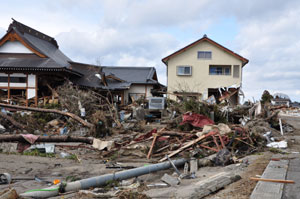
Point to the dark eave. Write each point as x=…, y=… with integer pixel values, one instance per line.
x=34, y=69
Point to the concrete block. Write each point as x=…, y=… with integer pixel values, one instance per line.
x=170, y=180
x=193, y=165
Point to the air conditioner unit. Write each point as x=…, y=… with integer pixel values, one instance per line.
x=156, y=103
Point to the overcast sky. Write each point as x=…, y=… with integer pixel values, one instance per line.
x=142, y=32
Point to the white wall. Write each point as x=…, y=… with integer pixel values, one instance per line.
x=14, y=47
x=31, y=80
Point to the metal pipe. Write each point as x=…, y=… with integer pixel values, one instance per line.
x=101, y=180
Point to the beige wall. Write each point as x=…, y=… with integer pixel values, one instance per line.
x=200, y=80
x=141, y=89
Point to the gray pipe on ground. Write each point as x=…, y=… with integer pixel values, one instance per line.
x=101, y=180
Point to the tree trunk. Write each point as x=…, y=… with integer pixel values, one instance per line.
x=19, y=138
x=11, y=120
x=73, y=116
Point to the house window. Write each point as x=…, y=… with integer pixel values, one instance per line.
x=236, y=71
x=18, y=79
x=3, y=79
x=184, y=70
x=204, y=54
x=220, y=70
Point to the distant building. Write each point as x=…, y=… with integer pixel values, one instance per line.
x=205, y=68
x=280, y=99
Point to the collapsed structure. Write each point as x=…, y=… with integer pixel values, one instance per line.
x=31, y=64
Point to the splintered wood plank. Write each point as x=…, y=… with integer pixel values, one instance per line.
x=269, y=190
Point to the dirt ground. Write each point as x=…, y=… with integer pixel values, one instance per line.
x=89, y=164
x=243, y=188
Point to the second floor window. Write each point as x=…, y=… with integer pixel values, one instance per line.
x=184, y=70
x=219, y=70
x=204, y=54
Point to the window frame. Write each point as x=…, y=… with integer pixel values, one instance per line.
x=18, y=79
x=205, y=53
x=184, y=74
x=219, y=68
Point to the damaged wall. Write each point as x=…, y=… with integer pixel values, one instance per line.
x=138, y=90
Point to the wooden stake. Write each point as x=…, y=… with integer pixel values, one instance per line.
x=273, y=180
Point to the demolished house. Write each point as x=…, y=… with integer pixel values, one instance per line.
x=205, y=69
x=31, y=64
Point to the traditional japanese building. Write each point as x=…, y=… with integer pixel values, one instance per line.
x=31, y=64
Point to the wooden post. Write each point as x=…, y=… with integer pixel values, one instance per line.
x=8, y=88
x=122, y=98
x=36, y=90
x=26, y=90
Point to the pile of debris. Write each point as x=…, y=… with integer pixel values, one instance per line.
x=190, y=130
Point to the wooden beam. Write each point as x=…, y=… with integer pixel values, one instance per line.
x=8, y=88
x=36, y=90
x=187, y=145
x=122, y=98
x=273, y=180
x=26, y=90
x=152, y=146
x=63, y=138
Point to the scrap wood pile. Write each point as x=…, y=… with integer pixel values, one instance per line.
x=212, y=138
x=75, y=109
x=250, y=129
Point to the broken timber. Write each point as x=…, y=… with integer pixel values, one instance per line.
x=11, y=120
x=273, y=180
x=73, y=116
x=153, y=142
x=187, y=145
x=19, y=138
